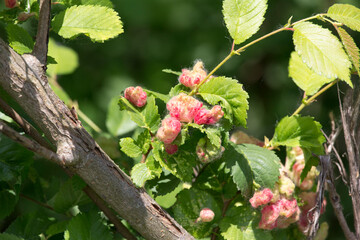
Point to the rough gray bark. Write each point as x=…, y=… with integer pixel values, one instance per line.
x=350, y=112
x=23, y=78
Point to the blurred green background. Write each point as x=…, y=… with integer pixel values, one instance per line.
x=172, y=34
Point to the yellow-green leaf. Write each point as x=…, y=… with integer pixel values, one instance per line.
x=304, y=77
x=321, y=51
x=243, y=18
x=97, y=22
x=346, y=14
x=350, y=47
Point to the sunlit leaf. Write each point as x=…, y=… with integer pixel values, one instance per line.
x=231, y=96
x=243, y=18
x=304, y=77
x=97, y=22
x=140, y=173
x=321, y=51
x=346, y=14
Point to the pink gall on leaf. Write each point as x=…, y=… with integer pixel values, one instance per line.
x=137, y=96
x=183, y=107
x=169, y=130
x=191, y=78
x=261, y=198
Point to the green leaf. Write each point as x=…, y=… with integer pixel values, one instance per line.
x=153, y=166
x=321, y=51
x=140, y=173
x=180, y=165
x=231, y=96
x=69, y=195
x=8, y=200
x=66, y=59
x=187, y=209
x=346, y=14
x=243, y=18
x=169, y=199
x=118, y=122
x=264, y=164
x=57, y=228
x=298, y=131
x=145, y=117
x=171, y=72
x=241, y=223
x=88, y=226
x=97, y=22
x=19, y=39
x=162, y=97
x=6, y=236
x=29, y=226
x=350, y=47
x=129, y=147
x=213, y=134
x=239, y=169
x=304, y=77
x=105, y=3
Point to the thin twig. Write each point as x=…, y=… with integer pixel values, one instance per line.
x=29, y=143
x=42, y=35
x=335, y=201
x=37, y=202
x=25, y=125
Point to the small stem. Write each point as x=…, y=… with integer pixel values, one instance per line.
x=312, y=98
x=88, y=121
x=37, y=202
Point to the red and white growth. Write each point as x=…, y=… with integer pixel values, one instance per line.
x=183, y=107
x=191, y=78
x=11, y=3
x=209, y=117
x=170, y=128
x=206, y=215
x=136, y=95
x=279, y=206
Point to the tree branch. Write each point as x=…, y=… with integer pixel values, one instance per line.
x=28, y=143
x=26, y=83
x=109, y=214
x=25, y=125
x=350, y=111
x=42, y=36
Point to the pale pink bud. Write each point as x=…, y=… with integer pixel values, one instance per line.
x=170, y=128
x=209, y=117
x=269, y=215
x=136, y=96
x=171, y=148
x=183, y=107
x=261, y=198
x=206, y=215
x=191, y=78
x=11, y=3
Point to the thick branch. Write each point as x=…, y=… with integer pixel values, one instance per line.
x=42, y=35
x=350, y=111
x=79, y=151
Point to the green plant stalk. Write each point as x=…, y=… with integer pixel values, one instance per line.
x=306, y=102
x=88, y=121
x=241, y=49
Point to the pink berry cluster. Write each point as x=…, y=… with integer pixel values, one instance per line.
x=186, y=109
x=279, y=206
x=136, y=95
x=191, y=78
